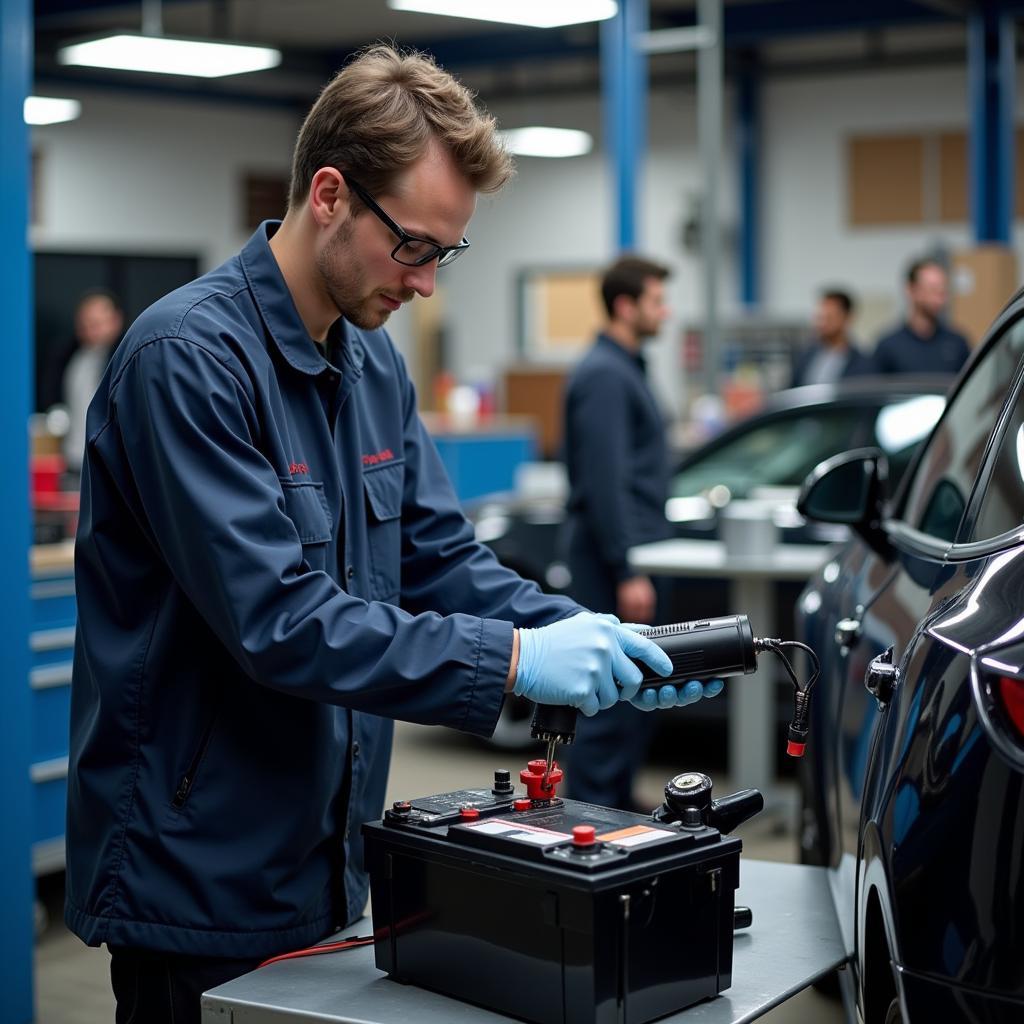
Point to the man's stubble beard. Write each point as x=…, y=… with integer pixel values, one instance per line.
x=343, y=281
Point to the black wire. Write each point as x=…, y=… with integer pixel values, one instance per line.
x=775, y=646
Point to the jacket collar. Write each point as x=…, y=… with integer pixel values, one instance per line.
x=607, y=342
x=282, y=320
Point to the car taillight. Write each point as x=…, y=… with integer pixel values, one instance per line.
x=1011, y=693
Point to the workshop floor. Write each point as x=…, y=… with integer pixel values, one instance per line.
x=72, y=982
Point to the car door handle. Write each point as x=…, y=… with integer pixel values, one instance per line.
x=881, y=678
x=847, y=633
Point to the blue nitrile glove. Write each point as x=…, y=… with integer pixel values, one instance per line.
x=670, y=695
x=576, y=662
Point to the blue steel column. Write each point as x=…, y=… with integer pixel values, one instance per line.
x=748, y=146
x=990, y=86
x=624, y=98
x=15, y=302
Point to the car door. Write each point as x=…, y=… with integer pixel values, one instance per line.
x=894, y=596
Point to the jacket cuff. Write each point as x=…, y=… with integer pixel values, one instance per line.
x=494, y=656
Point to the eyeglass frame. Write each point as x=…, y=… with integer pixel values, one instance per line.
x=444, y=254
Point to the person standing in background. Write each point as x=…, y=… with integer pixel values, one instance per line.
x=99, y=323
x=617, y=461
x=923, y=344
x=832, y=355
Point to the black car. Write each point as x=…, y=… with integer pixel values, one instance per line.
x=914, y=782
x=765, y=456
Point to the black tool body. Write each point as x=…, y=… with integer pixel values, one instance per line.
x=703, y=649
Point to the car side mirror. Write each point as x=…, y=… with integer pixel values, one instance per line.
x=851, y=489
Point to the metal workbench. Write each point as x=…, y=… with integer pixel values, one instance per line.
x=795, y=939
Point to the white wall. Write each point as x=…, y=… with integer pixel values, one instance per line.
x=154, y=175
x=143, y=174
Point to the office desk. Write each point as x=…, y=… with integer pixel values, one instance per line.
x=752, y=698
x=794, y=940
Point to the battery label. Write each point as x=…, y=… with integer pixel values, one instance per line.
x=520, y=832
x=635, y=836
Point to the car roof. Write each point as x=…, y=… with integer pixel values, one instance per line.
x=874, y=389
x=867, y=391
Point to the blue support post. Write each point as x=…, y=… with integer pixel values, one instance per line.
x=624, y=97
x=990, y=86
x=748, y=148
x=16, y=889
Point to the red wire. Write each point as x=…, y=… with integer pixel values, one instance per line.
x=327, y=947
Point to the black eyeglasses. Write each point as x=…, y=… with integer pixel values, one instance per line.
x=411, y=251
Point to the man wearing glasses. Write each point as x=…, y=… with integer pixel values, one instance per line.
x=271, y=564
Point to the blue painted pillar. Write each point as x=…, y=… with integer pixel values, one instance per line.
x=748, y=150
x=624, y=98
x=16, y=887
x=990, y=90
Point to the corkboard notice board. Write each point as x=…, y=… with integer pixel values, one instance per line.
x=560, y=312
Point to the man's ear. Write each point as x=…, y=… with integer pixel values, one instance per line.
x=328, y=197
x=623, y=308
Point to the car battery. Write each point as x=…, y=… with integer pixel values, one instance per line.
x=557, y=911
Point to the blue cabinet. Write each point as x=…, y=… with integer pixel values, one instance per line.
x=52, y=643
x=483, y=458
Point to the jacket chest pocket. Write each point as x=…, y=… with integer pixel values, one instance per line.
x=383, y=486
x=306, y=506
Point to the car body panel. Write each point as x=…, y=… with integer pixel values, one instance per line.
x=921, y=799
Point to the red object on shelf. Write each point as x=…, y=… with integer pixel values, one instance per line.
x=46, y=474
x=537, y=787
x=521, y=805
x=469, y=813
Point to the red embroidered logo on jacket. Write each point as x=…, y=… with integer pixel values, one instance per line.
x=298, y=468
x=383, y=456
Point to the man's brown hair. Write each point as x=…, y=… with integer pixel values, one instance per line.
x=627, y=276
x=376, y=117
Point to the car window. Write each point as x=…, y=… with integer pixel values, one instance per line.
x=942, y=482
x=779, y=453
x=902, y=425
x=1002, y=505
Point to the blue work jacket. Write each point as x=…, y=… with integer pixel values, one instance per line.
x=270, y=566
x=617, y=460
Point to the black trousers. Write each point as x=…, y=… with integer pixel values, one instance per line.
x=165, y=988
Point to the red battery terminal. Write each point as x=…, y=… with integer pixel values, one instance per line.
x=540, y=783
x=584, y=835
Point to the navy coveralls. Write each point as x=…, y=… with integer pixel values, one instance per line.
x=903, y=351
x=269, y=557
x=618, y=481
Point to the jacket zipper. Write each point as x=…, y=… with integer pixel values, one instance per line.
x=189, y=778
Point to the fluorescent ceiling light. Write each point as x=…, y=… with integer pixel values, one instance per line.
x=547, y=141
x=169, y=56
x=50, y=110
x=538, y=13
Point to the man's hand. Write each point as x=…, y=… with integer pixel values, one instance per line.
x=581, y=663
x=636, y=599
x=669, y=696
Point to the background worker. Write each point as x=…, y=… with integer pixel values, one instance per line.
x=832, y=355
x=271, y=564
x=617, y=460
x=923, y=343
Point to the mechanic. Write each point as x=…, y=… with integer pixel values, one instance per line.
x=271, y=564
x=618, y=481
x=923, y=344
x=832, y=354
